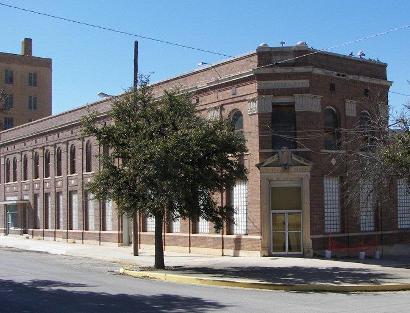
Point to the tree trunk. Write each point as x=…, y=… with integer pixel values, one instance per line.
x=159, y=248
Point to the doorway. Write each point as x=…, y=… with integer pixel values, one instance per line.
x=286, y=220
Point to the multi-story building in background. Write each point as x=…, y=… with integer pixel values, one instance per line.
x=25, y=82
x=292, y=202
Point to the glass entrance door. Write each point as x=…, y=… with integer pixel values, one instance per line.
x=286, y=232
x=286, y=219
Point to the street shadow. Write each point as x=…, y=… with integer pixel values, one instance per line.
x=293, y=274
x=38, y=296
x=398, y=262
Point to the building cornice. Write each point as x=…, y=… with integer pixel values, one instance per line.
x=322, y=71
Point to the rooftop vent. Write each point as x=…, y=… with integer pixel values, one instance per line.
x=301, y=43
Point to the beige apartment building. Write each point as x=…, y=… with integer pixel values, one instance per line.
x=25, y=81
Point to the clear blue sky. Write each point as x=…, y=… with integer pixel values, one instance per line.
x=87, y=61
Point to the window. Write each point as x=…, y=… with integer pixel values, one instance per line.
x=47, y=211
x=332, y=87
x=73, y=210
x=47, y=163
x=25, y=167
x=8, y=169
x=8, y=122
x=283, y=127
x=331, y=125
x=8, y=102
x=36, y=207
x=366, y=92
x=89, y=209
x=88, y=156
x=403, y=203
x=108, y=215
x=14, y=169
x=59, y=210
x=239, y=201
x=72, y=160
x=365, y=128
x=8, y=77
x=32, y=79
x=203, y=226
x=332, y=204
x=366, y=207
x=175, y=225
x=32, y=103
x=36, y=166
x=150, y=224
x=58, y=162
x=237, y=121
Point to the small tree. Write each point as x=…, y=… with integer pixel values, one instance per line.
x=166, y=160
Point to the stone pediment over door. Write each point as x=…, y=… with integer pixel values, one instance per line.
x=285, y=159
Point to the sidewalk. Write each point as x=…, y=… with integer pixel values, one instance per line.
x=266, y=271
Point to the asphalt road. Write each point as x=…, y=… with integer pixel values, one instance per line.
x=39, y=282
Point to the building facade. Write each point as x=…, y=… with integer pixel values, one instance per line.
x=25, y=81
x=287, y=101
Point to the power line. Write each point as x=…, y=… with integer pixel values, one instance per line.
x=114, y=30
x=399, y=93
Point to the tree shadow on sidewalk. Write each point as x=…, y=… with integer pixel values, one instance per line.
x=294, y=274
x=38, y=296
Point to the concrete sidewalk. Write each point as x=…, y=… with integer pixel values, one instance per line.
x=286, y=271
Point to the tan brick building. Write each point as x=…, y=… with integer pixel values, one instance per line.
x=26, y=82
x=291, y=202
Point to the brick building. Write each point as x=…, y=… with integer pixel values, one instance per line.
x=292, y=200
x=26, y=82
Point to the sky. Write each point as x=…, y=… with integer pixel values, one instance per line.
x=88, y=61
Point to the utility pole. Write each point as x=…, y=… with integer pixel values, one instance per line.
x=135, y=217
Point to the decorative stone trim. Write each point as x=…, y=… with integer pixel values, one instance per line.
x=262, y=104
x=307, y=103
x=283, y=84
x=350, y=108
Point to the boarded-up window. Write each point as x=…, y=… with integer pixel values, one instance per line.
x=283, y=127
x=367, y=205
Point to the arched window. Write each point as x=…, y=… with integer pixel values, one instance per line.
x=88, y=156
x=331, y=127
x=72, y=160
x=25, y=167
x=47, y=163
x=59, y=169
x=14, y=169
x=365, y=128
x=237, y=121
x=8, y=169
x=36, y=165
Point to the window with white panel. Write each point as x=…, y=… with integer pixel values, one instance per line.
x=367, y=207
x=108, y=215
x=176, y=225
x=90, y=210
x=203, y=226
x=403, y=203
x=73, y=202
x=239, y=201
x=332, y=204
x=150, y=224
x=59, y=210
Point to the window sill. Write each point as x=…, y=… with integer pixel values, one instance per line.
x=332, y=151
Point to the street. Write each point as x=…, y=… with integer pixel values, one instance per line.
x=40, y=282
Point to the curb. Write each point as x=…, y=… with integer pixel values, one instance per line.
x=195, y=280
